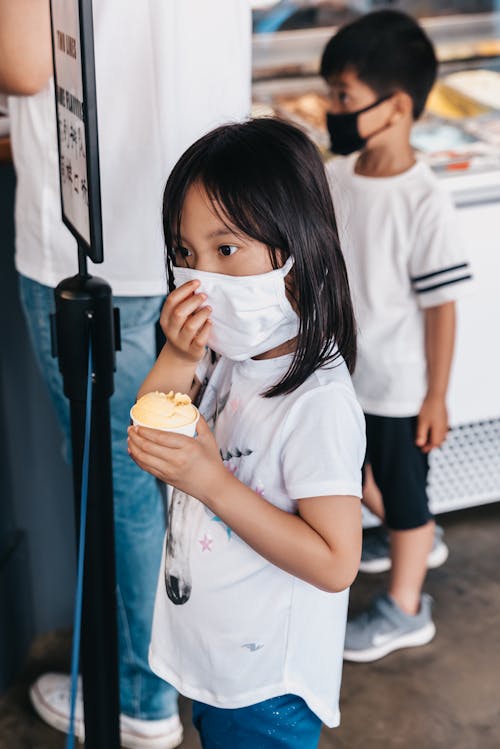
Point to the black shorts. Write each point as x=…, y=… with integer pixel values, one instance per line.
x=400, y=470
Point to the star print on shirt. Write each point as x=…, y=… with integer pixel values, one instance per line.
x=206, y=543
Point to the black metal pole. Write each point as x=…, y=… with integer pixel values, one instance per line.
x=84, y=312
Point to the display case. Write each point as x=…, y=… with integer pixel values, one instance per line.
x=459, y=136
x=463, y=109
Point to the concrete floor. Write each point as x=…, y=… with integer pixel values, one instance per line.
x=442, y=696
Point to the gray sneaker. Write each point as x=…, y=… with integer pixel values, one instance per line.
x=375, y=555
x=384, y=627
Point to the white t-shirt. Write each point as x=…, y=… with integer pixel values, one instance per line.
x=167, y=71
x=403, y=255
x=251, y=631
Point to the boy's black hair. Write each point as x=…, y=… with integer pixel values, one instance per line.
x=268, y=181
x=389, y=51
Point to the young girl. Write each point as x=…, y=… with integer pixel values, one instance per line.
x=273, y=537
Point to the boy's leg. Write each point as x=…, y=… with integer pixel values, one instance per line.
x=409, y=553
x=376, y=551
x=401, y=618
x=400, y=470
x=372, y=496
x=284, y=722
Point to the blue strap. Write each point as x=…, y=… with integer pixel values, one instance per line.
x=75, y=655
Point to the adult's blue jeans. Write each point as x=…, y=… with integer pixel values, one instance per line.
x=284, y=722
x=138, y=506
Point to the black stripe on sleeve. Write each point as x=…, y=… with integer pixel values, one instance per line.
x=416, y=279
x=444, y=283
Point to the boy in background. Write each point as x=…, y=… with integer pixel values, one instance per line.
x=406, y=270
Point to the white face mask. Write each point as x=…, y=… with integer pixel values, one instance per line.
x=250, y=314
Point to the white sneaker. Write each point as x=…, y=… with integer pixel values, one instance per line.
x=50, y=696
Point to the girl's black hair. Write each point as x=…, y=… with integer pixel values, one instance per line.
x=269, y=182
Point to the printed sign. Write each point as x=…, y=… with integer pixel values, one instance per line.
x=74, y=82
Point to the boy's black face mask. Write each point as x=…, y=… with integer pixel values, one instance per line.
x=344, y=133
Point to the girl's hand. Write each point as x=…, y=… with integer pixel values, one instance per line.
x=185, y=322
x=432, y=424
x=192, y=465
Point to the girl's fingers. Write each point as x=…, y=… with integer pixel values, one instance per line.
x=203, y=429
x=148, y=460
x=142, y=436
x=151, y=463
x=193, y=325
x=201, y=338
x=145, y=449
x=185, y=309
x=180, y=304
x=181, y=293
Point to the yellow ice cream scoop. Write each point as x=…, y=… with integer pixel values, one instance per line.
x=166, y=411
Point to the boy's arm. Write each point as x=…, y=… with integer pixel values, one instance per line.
x=25, y=46
x=432, y=425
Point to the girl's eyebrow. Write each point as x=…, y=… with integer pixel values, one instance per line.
x=220, y=233
x=212, y=235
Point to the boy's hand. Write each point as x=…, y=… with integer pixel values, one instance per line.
x=432, y=423
x=185, y=322
x=192, y=465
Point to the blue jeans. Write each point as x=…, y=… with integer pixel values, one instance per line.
x=138, y=506
x=284, y=722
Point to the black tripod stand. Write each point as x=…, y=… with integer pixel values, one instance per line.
x=85, y=317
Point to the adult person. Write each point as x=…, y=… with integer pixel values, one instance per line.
x=166, y=72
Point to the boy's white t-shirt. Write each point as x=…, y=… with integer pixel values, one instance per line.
x=403, y=254
x=251, y=631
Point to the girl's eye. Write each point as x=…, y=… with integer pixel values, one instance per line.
x=182, y=252
x=227, y=250
x=343, y=97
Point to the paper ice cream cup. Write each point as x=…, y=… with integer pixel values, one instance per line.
x=188, y=429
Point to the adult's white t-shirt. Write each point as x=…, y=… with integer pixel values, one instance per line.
x=251, y=631
x=403, y=255
x=167, y=71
